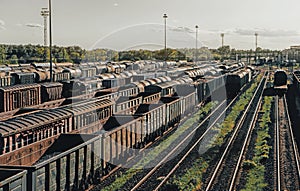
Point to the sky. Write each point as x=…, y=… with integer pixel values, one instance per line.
x=135, y=24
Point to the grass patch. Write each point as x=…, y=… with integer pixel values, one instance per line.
x=256, y=172
x=192, y=178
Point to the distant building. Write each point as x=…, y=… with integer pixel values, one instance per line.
x=295, y=47
x=293, y=53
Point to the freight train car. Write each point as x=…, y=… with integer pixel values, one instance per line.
x=123, y=134
x=12, y=180
x=167, y=88
x=209, y=85
x=51, y=91
x=70, y=162
x=22, y=78
x=18, y=96
x=84, y=117
x=5, y=80
x=235, y=82
x=77, y=87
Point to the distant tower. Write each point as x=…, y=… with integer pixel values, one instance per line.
x=45, y=14
x=222, y=36
x=256, y=44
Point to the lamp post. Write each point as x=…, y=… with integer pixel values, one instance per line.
x=45, y=14
x=222, y=53
x=196, y=52
x=222, y=36
x=165, y=18
x=256, y=45
x=50, y=41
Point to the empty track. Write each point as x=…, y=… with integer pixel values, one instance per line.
x=287, y=175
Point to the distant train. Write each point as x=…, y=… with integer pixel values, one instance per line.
x=280, y=82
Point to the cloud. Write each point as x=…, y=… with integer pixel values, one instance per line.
x=2, y=25
x=267, y=32
x=227, y=31
x=33, y=25
x=182, y=29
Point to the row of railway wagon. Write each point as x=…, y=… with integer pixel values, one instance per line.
x=40, y=72
x=70, y=144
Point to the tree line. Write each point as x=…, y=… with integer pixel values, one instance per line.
x=23, y=54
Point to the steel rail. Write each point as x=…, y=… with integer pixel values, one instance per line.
x=238, y=126
x=149, y=174
x=193, y=147
x=295, y=148
x=277, y=138
x=248, y=136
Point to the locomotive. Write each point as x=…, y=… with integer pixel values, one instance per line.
x=280, y=82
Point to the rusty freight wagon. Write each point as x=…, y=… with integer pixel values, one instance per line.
x=70, y=162
x=60, y=76
x=86, y=117
x=19, y=96
x=51, y=91
x=90, y=115
x=5, y=80
x=19, y=132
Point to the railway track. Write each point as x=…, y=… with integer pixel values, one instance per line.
x=143, y=152
x=118, y=170
x=287, y=176
x=225, y=172
x=159, y=175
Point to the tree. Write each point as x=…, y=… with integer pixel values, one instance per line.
x=2, y=54
x=14, y=59
x=224, y=52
